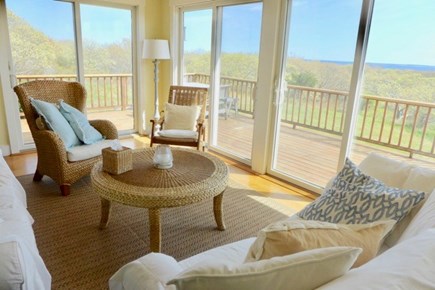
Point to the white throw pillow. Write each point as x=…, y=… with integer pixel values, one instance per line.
x=287, y=272
x=408, y=265
x=389, y=171
x=423, y=220
x=421, y=179
x=181, y=117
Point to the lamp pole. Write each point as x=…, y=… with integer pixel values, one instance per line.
x=156, y=94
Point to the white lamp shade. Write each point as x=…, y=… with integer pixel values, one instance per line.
x=155, y=49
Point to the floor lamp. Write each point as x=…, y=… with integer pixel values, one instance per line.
x=156, y=49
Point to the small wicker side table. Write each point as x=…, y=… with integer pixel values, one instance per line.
x=195, y=176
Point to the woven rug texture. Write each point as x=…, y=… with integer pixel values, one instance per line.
x=81, y=256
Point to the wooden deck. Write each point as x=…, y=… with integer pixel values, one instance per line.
x=310, y=155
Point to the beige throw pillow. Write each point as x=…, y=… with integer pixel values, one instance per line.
x=181, y=117
x=293, y=236
x=302, y=271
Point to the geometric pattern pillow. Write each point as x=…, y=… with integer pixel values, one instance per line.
x=356, y=198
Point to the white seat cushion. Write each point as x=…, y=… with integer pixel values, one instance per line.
x=423, y=220
x=408, y=265
x=84, y=152
x=181, y=134
x=147, y=273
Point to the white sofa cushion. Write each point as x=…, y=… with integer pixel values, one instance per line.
x=136, y=274
x=148, y=272
x=389, y=171
x=408, y=265
x=275, y=273
x=233, y=253
x=84, y=152
x=11, y=272
x=420, y=178
x=9, y=185
x=423, y=220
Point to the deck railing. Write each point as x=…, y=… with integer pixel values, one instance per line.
x=104, y=91
x=395, y=123
x=243, y=90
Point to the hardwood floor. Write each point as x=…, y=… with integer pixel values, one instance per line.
x=285, y=194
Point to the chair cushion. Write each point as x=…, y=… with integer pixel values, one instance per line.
x=292, y=236
x=56, y=122
x=80, y=124
x=358, y=198
x=287, y=272
x=181, y=117
x=182, y=134
x=84, y=152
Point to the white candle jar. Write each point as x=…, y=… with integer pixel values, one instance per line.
x=163, y=157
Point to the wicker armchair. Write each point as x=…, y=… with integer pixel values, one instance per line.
x=184, y=96
x=52, y=154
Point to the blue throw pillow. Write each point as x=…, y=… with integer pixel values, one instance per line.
x=357, y=198
x=80, y=124
x=56, y=122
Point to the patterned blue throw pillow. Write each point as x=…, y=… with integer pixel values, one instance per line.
x=356, y=198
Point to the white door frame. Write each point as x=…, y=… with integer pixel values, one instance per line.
x=7, y=76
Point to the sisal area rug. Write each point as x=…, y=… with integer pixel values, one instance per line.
x=80, y=256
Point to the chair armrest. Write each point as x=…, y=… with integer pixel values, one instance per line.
x=150, y=272
x=50, y=147
x=154, y=123
x=106, y=128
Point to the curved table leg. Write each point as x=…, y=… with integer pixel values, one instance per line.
x=155, y=229
x=106, y=207
x=218, y=212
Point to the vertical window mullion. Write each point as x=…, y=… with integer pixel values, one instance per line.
x=356, y=81
x=79, y=43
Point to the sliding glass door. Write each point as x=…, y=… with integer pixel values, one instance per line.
x=228, y=69
x=396, y=115
x=108, y=64
x=312, y=90
x=70, y=41
x=237, y=68
x=42, y=44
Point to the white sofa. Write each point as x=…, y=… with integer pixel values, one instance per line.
x=21, y=267
x=406, y=260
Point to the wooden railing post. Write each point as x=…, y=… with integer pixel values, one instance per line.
x=123, y=93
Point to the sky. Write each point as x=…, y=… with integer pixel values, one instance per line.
x=402, y=31
x=100, y=24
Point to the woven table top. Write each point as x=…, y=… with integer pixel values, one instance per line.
x=195, y=176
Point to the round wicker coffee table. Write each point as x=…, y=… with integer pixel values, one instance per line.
x=195, y=176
